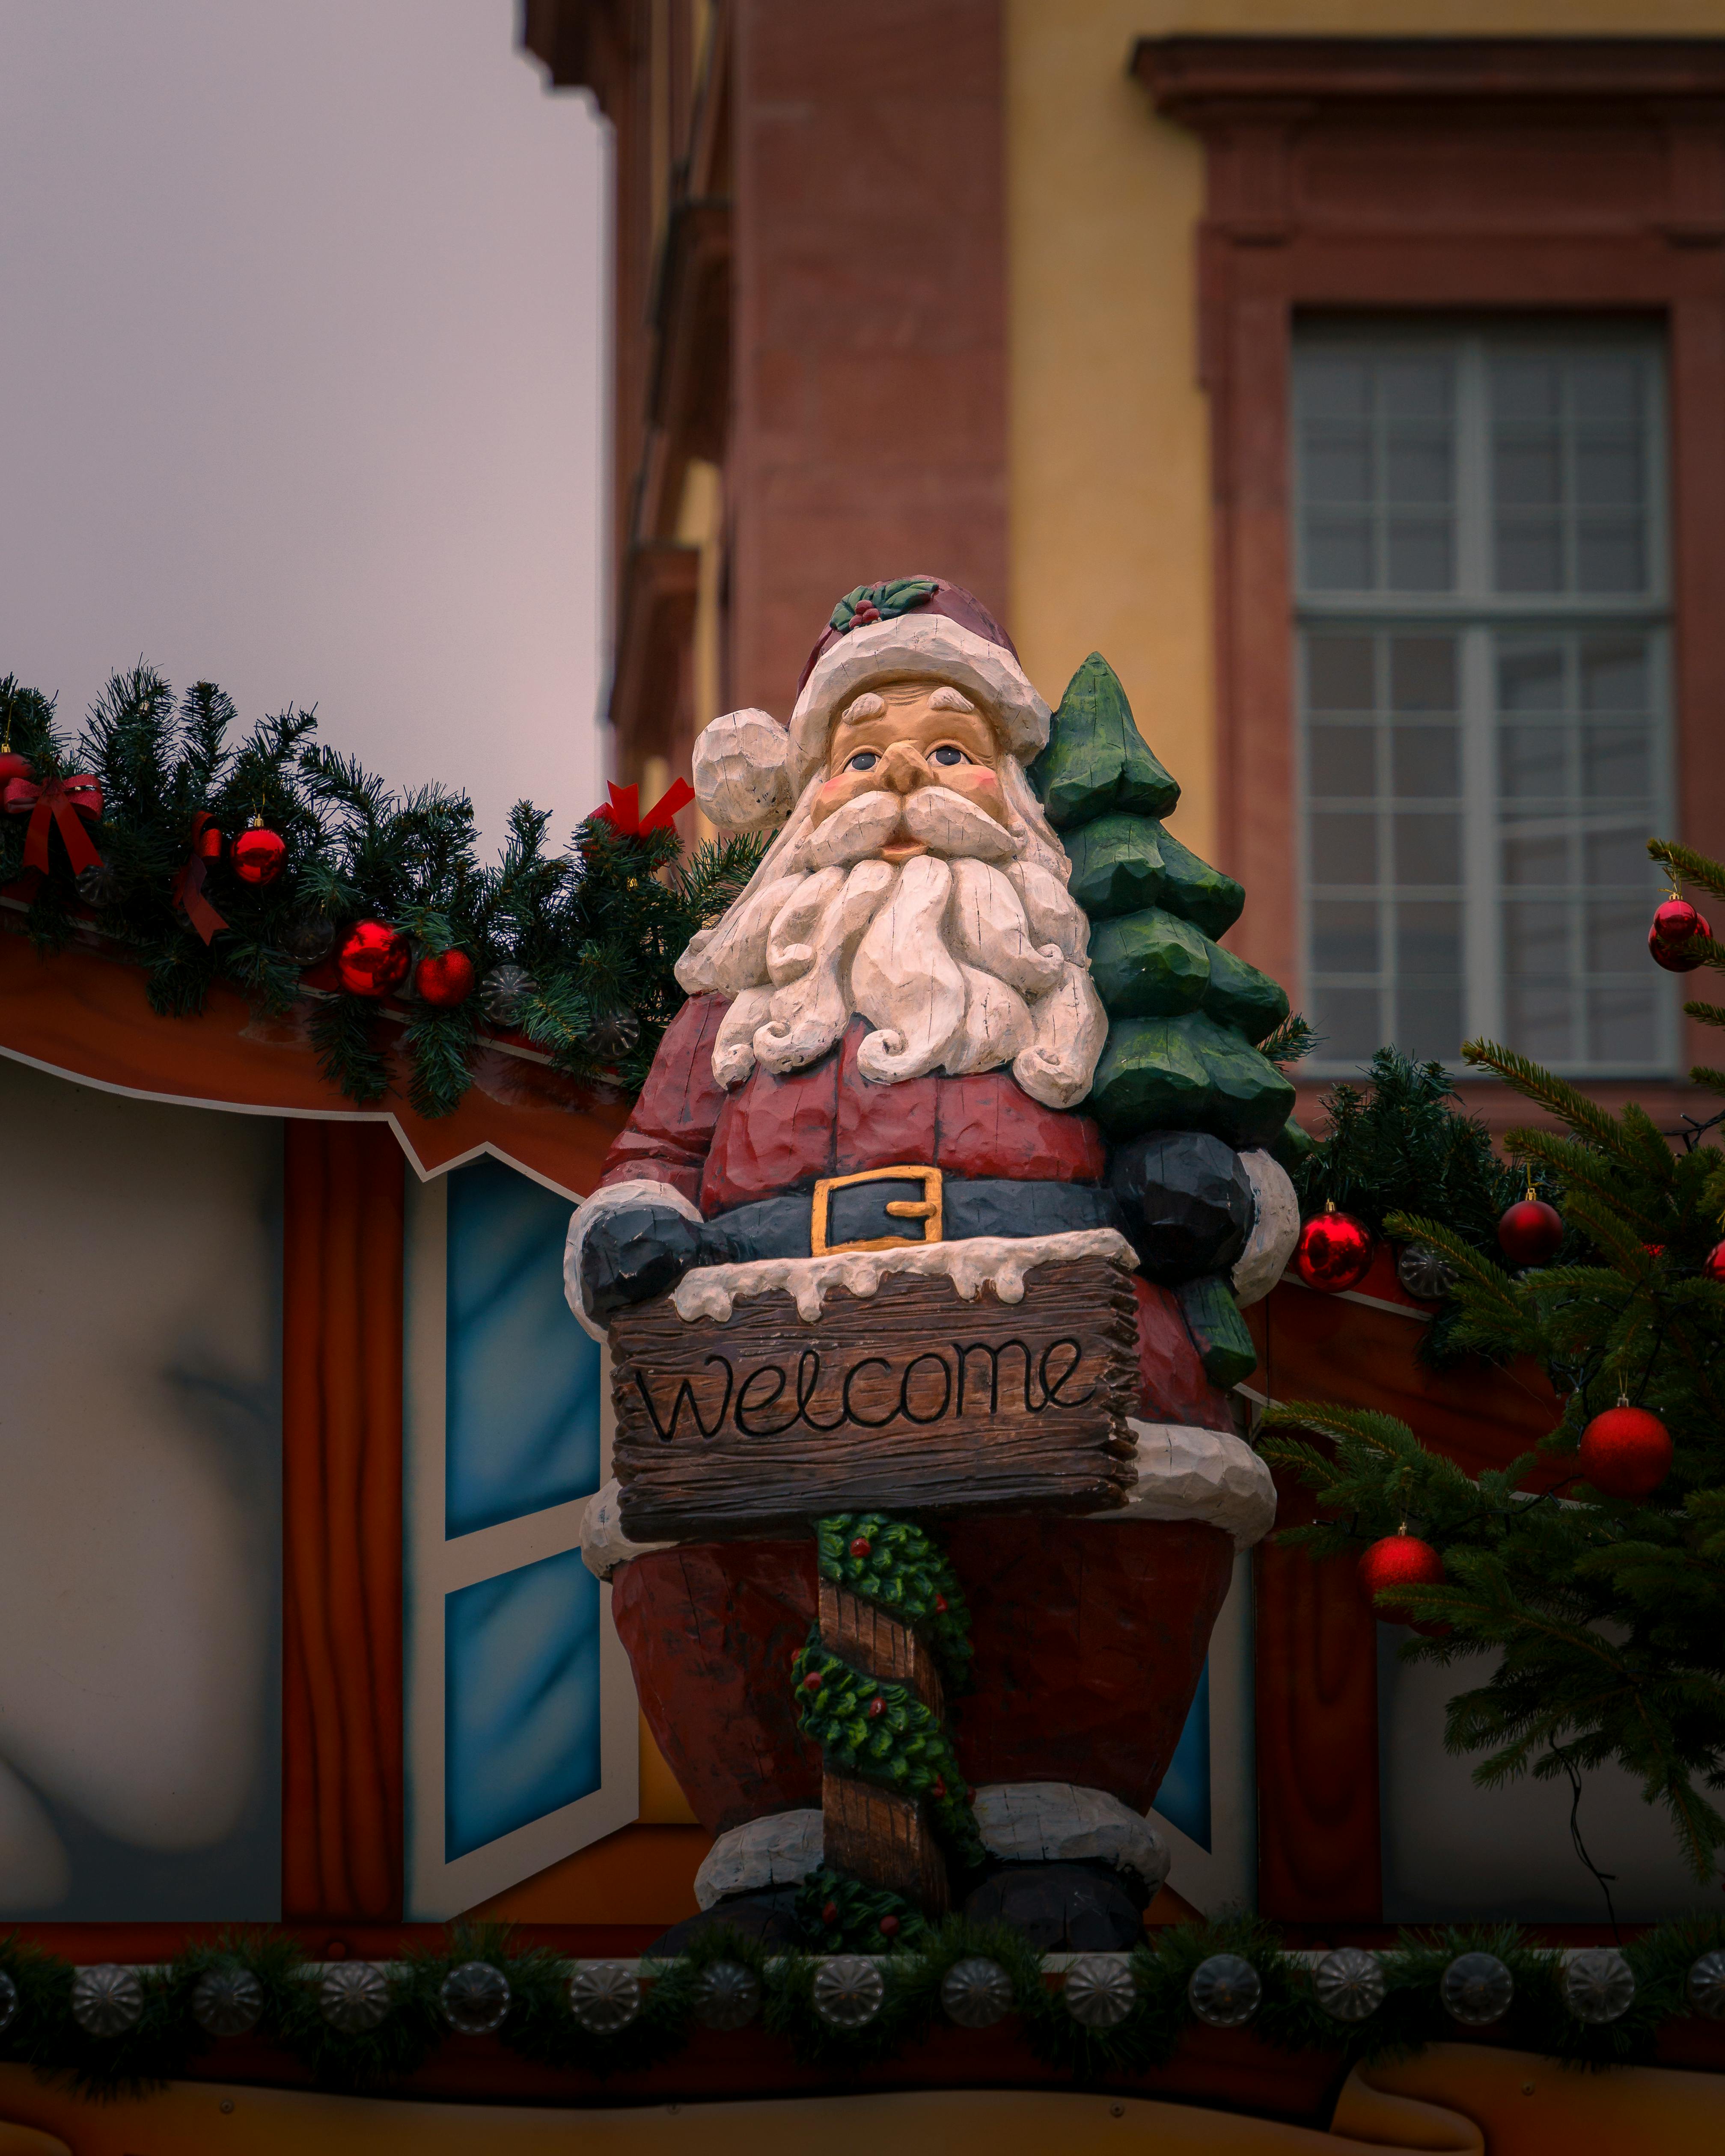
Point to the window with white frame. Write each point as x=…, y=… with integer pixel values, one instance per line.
x=1482, y=625
x=522, y=1742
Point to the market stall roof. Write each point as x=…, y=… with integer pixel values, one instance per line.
x=82, y=1013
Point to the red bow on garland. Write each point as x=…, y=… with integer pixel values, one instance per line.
x=623, y=811
x=59, y=801
x=188, y=886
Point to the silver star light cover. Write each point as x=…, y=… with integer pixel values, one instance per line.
x=227, y=2001
x=475, y=1998
x=1476, y=1989
x=726, y=1995
x=107, y=2000
x=353, y=1996
x=1224, y=1991
x=849, y=1991
x=1349, y=1983
x=976, y=1992
x=604, y=1996
x=1099, y=1990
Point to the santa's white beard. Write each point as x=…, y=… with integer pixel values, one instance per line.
x=966, y=957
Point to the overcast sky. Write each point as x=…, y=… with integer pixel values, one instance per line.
x=301, y=343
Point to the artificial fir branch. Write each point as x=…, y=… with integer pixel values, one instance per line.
x=1533, y=1084
x=597, y=928
x=1688, y=866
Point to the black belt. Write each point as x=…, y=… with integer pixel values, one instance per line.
x=890, y=1208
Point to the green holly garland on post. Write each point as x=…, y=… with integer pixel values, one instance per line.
x=572, y=952
x=879, y=1730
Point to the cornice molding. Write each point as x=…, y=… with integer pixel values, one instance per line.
x=1212, y=79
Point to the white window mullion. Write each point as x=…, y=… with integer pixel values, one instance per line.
x=1483, y=954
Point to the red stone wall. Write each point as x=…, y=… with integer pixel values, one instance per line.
x=869, y=420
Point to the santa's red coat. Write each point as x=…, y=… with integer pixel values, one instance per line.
x=1090, y=1635
x=771, y=1134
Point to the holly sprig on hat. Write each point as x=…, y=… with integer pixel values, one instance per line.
x=881, y=602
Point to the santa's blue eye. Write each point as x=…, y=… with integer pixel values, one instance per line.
x=863, y=760
x=947, y=754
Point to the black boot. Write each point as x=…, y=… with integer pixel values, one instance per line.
x=768, y=1915
x=1064, y=1908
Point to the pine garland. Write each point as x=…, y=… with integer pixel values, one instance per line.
x=166, y=2042
x=597, y=930
x=881, y=1731
x=901, y=1569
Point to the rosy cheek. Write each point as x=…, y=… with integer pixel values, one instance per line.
x=977, y=785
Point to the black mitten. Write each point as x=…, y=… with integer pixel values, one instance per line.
x=631, y=1253
x=1188, y=1203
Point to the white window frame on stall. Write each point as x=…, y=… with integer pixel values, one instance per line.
x=436, y=1566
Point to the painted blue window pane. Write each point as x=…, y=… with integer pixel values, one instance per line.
x=521, y=1408
x=520, y=1699
x=1185, y=1798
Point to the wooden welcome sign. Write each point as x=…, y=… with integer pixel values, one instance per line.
x=910, y=1399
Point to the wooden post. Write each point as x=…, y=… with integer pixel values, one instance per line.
x=872, y=1833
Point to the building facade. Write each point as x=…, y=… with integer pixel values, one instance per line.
x=1348, y=375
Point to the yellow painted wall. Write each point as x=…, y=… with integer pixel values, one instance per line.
x=1111, y=535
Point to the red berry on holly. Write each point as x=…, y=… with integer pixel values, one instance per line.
x=1676, y=921
x=444, y=981
x=889, y=1928
x=1672, y=954
x=1334, y=1251
x=861, y=1546
x=373, y=959
x=1714, y=1264
x=829, y=1912
x=1530, y=1232
x=940, y=1605
x=812, y=1682
x=877, y=1707
x=1396, y=1561
x=1625, y=1452
x=259, y=854
x=937, y=1789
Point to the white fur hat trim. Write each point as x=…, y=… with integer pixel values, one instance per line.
x=913, y=643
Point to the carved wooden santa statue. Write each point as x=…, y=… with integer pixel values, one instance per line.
x=921, y=1258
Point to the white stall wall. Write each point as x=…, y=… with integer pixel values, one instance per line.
x=140, y=1507
x=1453, y=1850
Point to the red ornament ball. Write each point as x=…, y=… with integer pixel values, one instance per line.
x=1714, y=1264
x=1530, y=1232
x=259, y=854
x=1625, y=1452
x=1334, y=1251
x=14, y=766
x=373, y=959
x=861, y=1546
x=889, y=1926
x=1676, y=921
x=1399, y=1560
x=446, y=980
x=1668, y=950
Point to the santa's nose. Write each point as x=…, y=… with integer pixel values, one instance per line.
x=903, y=769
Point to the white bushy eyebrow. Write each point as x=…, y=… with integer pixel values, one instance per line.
x=946, y=698
x=868, y=705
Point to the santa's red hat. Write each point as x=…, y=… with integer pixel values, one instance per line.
x=748, y=770
x=911, y=625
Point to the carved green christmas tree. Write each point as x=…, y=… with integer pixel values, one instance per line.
x=1185, y=1015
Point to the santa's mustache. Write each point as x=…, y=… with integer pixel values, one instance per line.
x=935, y=817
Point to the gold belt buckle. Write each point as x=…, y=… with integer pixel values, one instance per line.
x=926, y=1208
